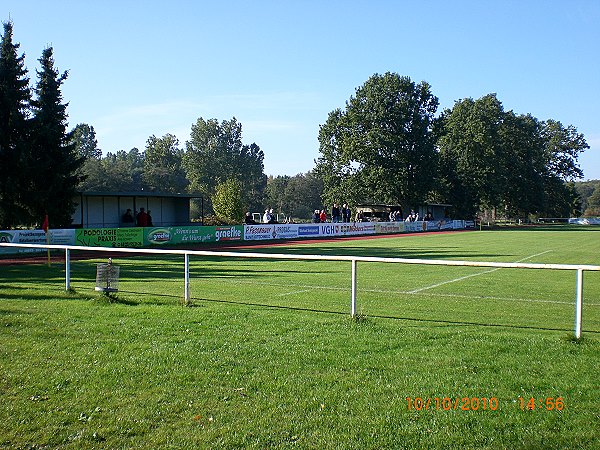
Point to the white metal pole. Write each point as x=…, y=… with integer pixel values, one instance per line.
x=67, y=269
x=187, y=279
x=578, y=303
x=353, y=300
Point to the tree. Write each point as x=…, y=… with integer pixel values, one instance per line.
x=215, y=154
x=296, y=196
x=523, y=173
x=227, y=201
x=563, y=146
x=471, y=154
x=163, y=169
x=15, y=97
x=381, y=147
x=594, y=203
x=124, y=170
x=52, y=163
x=83, y=137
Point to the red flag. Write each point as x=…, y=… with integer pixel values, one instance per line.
x=45, y=224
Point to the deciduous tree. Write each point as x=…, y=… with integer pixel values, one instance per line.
x=380, y=148
x=163, y=170
x=215, y=153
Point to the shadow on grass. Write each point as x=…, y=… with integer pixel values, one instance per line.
x=441, y=322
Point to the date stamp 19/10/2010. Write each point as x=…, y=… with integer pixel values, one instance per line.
x=482, y=403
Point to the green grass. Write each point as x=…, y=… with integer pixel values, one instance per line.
x=267, y=357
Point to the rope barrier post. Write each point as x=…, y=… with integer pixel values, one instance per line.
x=578, y=303
x=67, y=269
x=353, y=299
x=186, y=293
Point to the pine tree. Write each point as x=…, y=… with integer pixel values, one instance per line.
x=15, y=97
x=52, y=163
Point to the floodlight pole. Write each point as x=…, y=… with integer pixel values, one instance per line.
x=578, y=303
x=353, y=299
x=67, y=269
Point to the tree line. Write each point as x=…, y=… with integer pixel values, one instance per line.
x=386, y=146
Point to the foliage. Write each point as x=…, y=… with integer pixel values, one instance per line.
x=215, y=153
x=83, y=137
x=227, y=201
x=296, y=196
x=381, y=147
x=585, y=190
x=52, y=164
x=15, y=97
x=593, y=208
x=494, y=159
x=163, y=169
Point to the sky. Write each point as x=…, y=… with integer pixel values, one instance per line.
x=143, y=68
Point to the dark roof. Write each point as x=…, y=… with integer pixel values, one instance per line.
x=138, y=194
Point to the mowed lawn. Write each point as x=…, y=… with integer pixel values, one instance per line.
x=268, y=357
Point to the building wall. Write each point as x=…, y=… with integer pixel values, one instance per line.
x=106, y=211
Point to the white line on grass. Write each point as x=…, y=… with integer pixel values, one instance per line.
x=293, y=292
x=309, y=288
x=414, y=291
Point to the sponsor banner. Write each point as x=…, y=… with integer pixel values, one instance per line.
x=56, y=237
x=389, y=227
x=192, y=234
x=110, y=237
x=356, y=228
x=259, y=232
x=585, y=221
x=438, y=225
x=308, y=230
x=346, y=229
x=413, y=227
x=286, y=231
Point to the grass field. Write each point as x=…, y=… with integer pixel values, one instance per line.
x=268, y=357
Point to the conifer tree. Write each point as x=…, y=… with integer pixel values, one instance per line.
x=52, y=163
x=14, y=103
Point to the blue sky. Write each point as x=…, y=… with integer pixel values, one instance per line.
x=142, y=68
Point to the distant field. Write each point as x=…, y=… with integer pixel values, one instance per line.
x=267, y=356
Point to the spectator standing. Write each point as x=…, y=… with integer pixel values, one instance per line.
x=266, y=216
x=127, y=218
x=316, y=217
x=323, y=216
x=346, y=213
x=142, y=218
x=335, y=213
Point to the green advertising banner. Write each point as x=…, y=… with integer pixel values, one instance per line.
x=110, y=237
x=192, y=235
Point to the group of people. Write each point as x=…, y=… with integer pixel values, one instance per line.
x=139, y=219
x=414, y=217
x=338, y=214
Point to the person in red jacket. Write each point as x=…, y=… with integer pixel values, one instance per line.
x=323, y=216
x=142, y=218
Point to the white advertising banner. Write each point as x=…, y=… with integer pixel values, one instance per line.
x=56, y=237
x=389, y=227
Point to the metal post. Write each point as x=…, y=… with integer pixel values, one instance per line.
x=578, y=303
x=67, y=269
x=187, y=279
x=353, y=300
